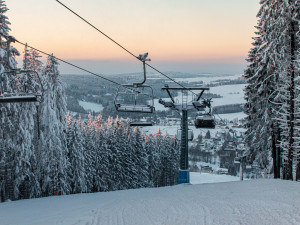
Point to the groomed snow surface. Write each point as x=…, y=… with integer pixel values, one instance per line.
x=248, y=202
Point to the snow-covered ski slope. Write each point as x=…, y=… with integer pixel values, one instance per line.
x=248, y=202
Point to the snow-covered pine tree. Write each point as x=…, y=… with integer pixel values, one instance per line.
x=153, y=160
x=27, y=174
x=140, y=153
x=89, y=153
x=129, y=158
x=52, y=132
x=288, y=25
x=261, y=81
x=271, y=89
x=102, y=174
x=77, y=174
x=9, y=134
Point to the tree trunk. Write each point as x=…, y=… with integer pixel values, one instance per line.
x=274, y=151
x=291, y=116
x=278, y=156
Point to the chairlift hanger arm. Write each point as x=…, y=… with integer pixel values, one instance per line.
x=169, y=93
x=143, y=58
x=199, y=96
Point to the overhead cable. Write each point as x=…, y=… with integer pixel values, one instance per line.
x=121, y=46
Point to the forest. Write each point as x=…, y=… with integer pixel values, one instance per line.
x=44, y=151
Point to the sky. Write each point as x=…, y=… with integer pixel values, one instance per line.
x=195, y=36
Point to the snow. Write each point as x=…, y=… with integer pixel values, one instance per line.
x=206, y=178
x=90, y=106
x=232, y=116
x=232, y=94
x=247, y=202
x=209, y=78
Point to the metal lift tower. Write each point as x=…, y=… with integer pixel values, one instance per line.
x=183, y=108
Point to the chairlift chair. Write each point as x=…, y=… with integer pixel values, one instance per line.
x=130, y=98
x=28, y=94
x=140, y=124
x=205, y=121
x=136, y=97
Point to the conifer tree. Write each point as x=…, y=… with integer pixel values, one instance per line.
x=271, y=89
x=9, y=112
x=52, y=128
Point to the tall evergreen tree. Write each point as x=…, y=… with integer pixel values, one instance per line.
x=271, y=88
x=52, y=128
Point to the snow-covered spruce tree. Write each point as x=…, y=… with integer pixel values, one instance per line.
x=271, y=93
x=102, y=174
x=27, y=174
x=77, y=173
x=263, y=81
x=141, y=158
x=288, y=25
x=9, y=134
x=114, y=147
x=52, y=143
x=89, y=140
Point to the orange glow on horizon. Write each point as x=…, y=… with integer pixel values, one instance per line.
x=168, y=30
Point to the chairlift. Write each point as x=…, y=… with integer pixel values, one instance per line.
x=205, y=119
x=25, y=93
x=140, y=124
x=130, y=98
x=136, y=97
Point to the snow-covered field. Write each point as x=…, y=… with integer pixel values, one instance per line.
x=90, y=106
x=232, y=94
x=206, y=178
x=232, y=116
x=209, y=78
x=260, y=202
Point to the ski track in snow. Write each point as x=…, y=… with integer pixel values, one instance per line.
x=250, y=202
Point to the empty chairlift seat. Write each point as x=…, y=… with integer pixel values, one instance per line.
x=205, y=121
x=134, y=99
x=23, y=92
x=13, y=98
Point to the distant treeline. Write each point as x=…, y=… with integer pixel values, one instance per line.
x=233, y=108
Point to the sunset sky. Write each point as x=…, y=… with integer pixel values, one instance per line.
x=186, y=36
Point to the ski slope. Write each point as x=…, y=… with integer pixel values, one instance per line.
x=248, y=202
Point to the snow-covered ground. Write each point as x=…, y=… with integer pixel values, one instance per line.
x=90, y=106
x=231, y=116
x=206, y=178
x=260, y=202
x=232, y=94
x=209, y=78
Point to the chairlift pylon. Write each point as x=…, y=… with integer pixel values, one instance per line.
x=190, y=134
